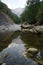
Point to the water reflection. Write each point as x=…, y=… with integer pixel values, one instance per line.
x=33, y=40
x=15, y=55
x=16, y=51
x=6, y=38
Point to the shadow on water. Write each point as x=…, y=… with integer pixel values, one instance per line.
x=33, y=40
x=14, y=48
x=6, y=38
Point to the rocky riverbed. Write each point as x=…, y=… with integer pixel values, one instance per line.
x=32, y=28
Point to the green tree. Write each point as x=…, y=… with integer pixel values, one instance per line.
x=4, y=8
x=39, y=16
x=30, y=14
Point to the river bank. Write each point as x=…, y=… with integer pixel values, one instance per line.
x=33, y=28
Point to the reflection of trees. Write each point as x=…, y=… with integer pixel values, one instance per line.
x=7, y=39
x=32, y=40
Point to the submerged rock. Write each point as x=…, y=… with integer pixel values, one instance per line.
x=5, y=55
x=32, y=51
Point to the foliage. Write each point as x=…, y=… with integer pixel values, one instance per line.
x=39, y=16
x=5, y=9
x=32, y=13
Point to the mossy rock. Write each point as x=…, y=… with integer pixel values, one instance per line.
x=32, y=51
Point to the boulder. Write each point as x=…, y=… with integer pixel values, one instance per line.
x=5, y=19
x=5, y=22
x=33, y=51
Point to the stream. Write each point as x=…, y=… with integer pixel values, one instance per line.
x=15, y=51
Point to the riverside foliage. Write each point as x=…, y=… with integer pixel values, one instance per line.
x=4, y=8
x=33, y=13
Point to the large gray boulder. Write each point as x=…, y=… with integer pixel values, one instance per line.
x=5, y=19
x=5, y=22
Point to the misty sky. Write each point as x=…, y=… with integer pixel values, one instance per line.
x=15, y=3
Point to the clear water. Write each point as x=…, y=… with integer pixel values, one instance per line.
x=14, y=51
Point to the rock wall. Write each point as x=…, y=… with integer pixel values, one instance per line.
x=5, y=19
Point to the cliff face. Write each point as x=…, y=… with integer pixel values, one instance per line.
x=5, y=19
x=5, y=22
